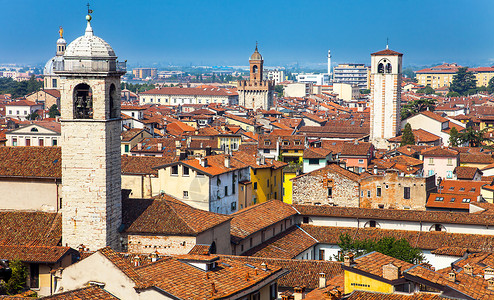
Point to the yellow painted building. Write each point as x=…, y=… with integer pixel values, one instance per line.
x=229, y=141
x=354, y=281
x=289, y=173
x=442, y=75
x=266, y=176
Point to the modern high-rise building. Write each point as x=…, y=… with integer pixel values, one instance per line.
x=385, y=96
x=256, y=92
x=354, y=74
x=91, y=124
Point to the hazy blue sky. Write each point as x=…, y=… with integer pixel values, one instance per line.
x=224, y=32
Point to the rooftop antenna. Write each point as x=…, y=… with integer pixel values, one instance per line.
x=387, y=43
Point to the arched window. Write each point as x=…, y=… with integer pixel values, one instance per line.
x=254, y=69
x=437, y=227
x=34, y=129
x=388, y=68
x=83, y=102
x=113, y=105
x=372, y=224
x=380, y=68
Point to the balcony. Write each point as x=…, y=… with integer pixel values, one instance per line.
x=90, y=66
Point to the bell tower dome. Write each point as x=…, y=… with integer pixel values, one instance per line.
x=256, y=66
x=91, y=164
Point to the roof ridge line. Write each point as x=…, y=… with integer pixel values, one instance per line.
x=307, y=234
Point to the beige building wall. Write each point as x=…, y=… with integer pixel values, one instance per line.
x=142, y=186
x=346, y=91
x=30, y=194
x=164, y=244
x=297, y=90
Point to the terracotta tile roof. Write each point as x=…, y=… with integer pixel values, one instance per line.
x=35, y=254
x=178, y=128
x=239, y=119
x=253, y=162
x=439, y=151
x=267, y=142
x=215, y=165
x=395, y=214
x=184, y=281
x=463, y=187
x=450, y=201
x=373, y=262
x=434, y=116
x=421, y=136
x=167, y=215
x=31, y=162
x=425, y=240
x=50, y=125
x=444, y=68
x=334, y=168
x=411, y=150
x=257, y=217
x=130, y=134
x=302, y=272
x=387, y=52
x=22, y=103
x=139, y=165
x=86, y=293
x=320, y=153
x=53, y=92
x=451, y=251
x=125, y=267
x=476, y=158
x=466, y=173
x=287, y=244
x=356, y=149
x=209, y=91
x=200, y=250
x=365, y=295
x=334, y=286
x=30, y=228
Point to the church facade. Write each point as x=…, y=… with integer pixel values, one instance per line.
x=256, y=93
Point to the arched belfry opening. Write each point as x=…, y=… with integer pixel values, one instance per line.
x=113, y=105
x=380, y=68
x=389, y=69
x=83, y=102
x=254, y=69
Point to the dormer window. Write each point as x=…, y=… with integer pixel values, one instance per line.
x=267, y=143
x=297, y=143
x=286, y=143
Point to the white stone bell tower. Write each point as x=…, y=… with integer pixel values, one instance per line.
x=385, y=96
x=91, y=167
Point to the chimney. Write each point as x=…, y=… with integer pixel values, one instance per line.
x=264, y=266
x=488, y=273
x=154, y=256
x=263, y=160
x=298, y=293
x=490, y=284
x=227, y=161
x=452, y=276
x=160, y=146
x=322, y=280
x=375, y=170
x=468, y=269
x=136, y=261
x=348, y=259
x=391, y=272
x=139, y=146
x=286, y=296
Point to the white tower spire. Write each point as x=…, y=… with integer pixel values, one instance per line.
x=329, y=63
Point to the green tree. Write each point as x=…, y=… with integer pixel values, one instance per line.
x=32, y=116
x=490, y=86
x=453, y=94
x=53, y=112
x=454, y=137
x=409, y=73
x=473, y=137
x=399, y=249
x=279, y=90
x=17, y=281
x=365, y=91
x=464, y=82
x=427, y=90
x=416, y=106
x=407, y=138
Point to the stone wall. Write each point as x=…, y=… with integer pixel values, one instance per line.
x=169, y=245
x=313, y=189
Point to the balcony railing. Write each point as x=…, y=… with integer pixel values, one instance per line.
x=90, y=66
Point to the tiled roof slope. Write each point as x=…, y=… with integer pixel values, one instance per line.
x=36, y=254
x=364, y=295
x=302, y=272
x=31, y=162
x=30, y=228
x=256, y=217
x=185, y=281
x=86, y=293
x=167, y=215
x=287, y=245
x=395, y=214
x=125, y=267
x=138, y=165
x=373, y=263
x=426, y=240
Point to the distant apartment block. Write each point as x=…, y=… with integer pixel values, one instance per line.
x=354, y=74
x=317, y=79
x=275, y=75
x=144, y=73
x=180, y=96
x=442, y=75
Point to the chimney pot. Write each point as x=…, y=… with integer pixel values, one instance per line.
x=298, y=293
x=348, y=259
x=391, y=272
x=139, y=146
x=490, y=283
x=322, y=280
x=227, y=161
x=468, y=269
x=452, y=276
